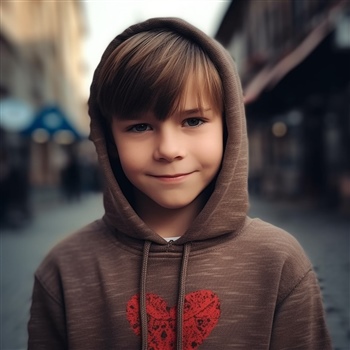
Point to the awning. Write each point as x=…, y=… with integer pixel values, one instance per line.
x=52, y=121
x=270, y=76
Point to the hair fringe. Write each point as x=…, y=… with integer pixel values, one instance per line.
x=151, y=72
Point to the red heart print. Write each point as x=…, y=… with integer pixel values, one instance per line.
x=201, y=314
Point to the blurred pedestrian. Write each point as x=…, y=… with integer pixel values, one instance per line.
x=71, y=179
x=14, y=192
x=4, y=187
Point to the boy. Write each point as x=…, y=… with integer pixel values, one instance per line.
x=175, y=262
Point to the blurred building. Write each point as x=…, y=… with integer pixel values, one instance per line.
x=293, y=57
x=43, y=110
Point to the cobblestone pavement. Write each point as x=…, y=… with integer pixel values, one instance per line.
x=324, y=236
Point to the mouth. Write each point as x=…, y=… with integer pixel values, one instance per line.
x=172, y=177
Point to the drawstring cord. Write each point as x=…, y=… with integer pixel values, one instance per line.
x=143, y=301
x=181, y=295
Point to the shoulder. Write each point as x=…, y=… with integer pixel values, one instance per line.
x=279, y=255
x=274, y=241
x=78, y=241
x=73, y=253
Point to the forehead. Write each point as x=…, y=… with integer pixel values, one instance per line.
x=196, y=94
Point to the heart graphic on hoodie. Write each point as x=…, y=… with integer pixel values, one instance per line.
x=201, y=314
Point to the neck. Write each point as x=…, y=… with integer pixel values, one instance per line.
x=168, y=222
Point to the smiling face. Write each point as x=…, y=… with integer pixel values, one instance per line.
x=172, y=161
x=163, y=98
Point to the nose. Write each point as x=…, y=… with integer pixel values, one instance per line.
x=169, y=146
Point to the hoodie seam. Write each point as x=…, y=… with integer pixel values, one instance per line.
x=47, y=291
x=294, y=287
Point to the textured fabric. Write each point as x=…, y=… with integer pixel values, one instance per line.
x=241, y=283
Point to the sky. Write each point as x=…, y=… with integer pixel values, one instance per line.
x=106, y=19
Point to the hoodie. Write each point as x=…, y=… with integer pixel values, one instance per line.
x=230, y=282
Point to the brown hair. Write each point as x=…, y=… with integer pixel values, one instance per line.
x=150, y=72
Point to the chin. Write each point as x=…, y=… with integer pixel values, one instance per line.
x=172, y=205
x=177, y=203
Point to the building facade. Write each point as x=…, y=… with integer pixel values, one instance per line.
x=293, y=57
x=42, y=68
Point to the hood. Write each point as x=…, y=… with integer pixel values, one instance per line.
x=227, y=207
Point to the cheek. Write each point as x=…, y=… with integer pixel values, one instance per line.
x=129, y=160
x=125, y=155
x=212, y=150
x=213, y=156
x=132, y=157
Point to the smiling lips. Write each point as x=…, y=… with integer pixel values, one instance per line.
x=171, y=177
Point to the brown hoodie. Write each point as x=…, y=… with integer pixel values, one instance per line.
x=230, y=282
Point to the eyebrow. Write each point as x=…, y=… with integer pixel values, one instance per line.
x=193, y=111
x=133, y=117
x=187, y=112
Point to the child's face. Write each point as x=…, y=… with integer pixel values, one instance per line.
x=174, y=160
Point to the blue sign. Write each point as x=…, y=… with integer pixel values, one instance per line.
x=52, y=120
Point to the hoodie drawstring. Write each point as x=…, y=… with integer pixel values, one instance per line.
x=143, y=301
x=180, y=301
x=181, y=295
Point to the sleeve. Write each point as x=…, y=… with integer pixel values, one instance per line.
x=299, y=321
x=46, y=327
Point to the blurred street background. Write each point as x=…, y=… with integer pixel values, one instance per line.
x=293, y=58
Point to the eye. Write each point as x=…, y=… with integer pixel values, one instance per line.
x=193, y=122
x=139, y=128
